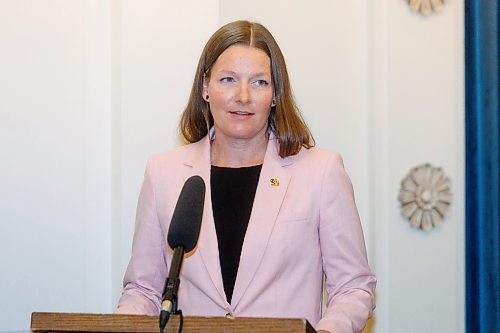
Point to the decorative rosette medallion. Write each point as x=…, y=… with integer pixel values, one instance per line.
x=426, y=7
x=425, y=196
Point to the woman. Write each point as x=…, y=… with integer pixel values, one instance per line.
x=279, y=213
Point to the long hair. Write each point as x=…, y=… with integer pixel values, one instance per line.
x=285, y=120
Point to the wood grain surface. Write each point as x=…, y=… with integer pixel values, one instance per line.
x=80, y=322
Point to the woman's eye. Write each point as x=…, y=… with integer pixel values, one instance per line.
x=227, y=79
x=261, y=83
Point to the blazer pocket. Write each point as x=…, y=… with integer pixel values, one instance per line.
x=292, y=218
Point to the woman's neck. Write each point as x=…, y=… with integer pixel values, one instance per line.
x=238, y=153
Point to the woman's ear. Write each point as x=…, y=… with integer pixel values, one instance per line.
x=204, y=93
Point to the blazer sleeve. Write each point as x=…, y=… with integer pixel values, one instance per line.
x=147, y=269
x=349, y=281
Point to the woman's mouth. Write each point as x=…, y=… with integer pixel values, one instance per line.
x=241, y=113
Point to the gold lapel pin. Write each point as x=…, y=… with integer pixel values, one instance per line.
x=275, y=182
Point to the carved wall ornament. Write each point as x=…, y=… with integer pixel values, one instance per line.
x=425, y=196
x=426, y=7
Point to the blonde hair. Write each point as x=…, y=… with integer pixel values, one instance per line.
x=285, y=120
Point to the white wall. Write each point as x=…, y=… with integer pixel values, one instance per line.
x=55, y=171
x=90, y=89
x=417, y=116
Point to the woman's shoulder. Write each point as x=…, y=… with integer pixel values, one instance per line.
x=176, y=155
x=319, y=155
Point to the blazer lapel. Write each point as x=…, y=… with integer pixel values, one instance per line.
x=271, y=189
x=199, y=159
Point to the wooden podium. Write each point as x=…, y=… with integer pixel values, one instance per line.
x=79, y=322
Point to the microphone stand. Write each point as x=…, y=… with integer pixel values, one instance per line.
x=169, y=303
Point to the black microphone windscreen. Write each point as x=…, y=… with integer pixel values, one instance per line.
x=185, y=226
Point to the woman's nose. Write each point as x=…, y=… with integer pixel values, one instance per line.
x=243, y=93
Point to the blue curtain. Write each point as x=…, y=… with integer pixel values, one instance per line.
x=482, y=165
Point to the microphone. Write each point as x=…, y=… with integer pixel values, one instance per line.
x=182, y=236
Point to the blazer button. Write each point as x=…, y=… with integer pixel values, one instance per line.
x=230, y=316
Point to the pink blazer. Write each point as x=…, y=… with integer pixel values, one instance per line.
x=304, y=224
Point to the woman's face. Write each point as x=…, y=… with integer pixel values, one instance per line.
x=240, y=93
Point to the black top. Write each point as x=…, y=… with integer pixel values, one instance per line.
x=233, y=192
